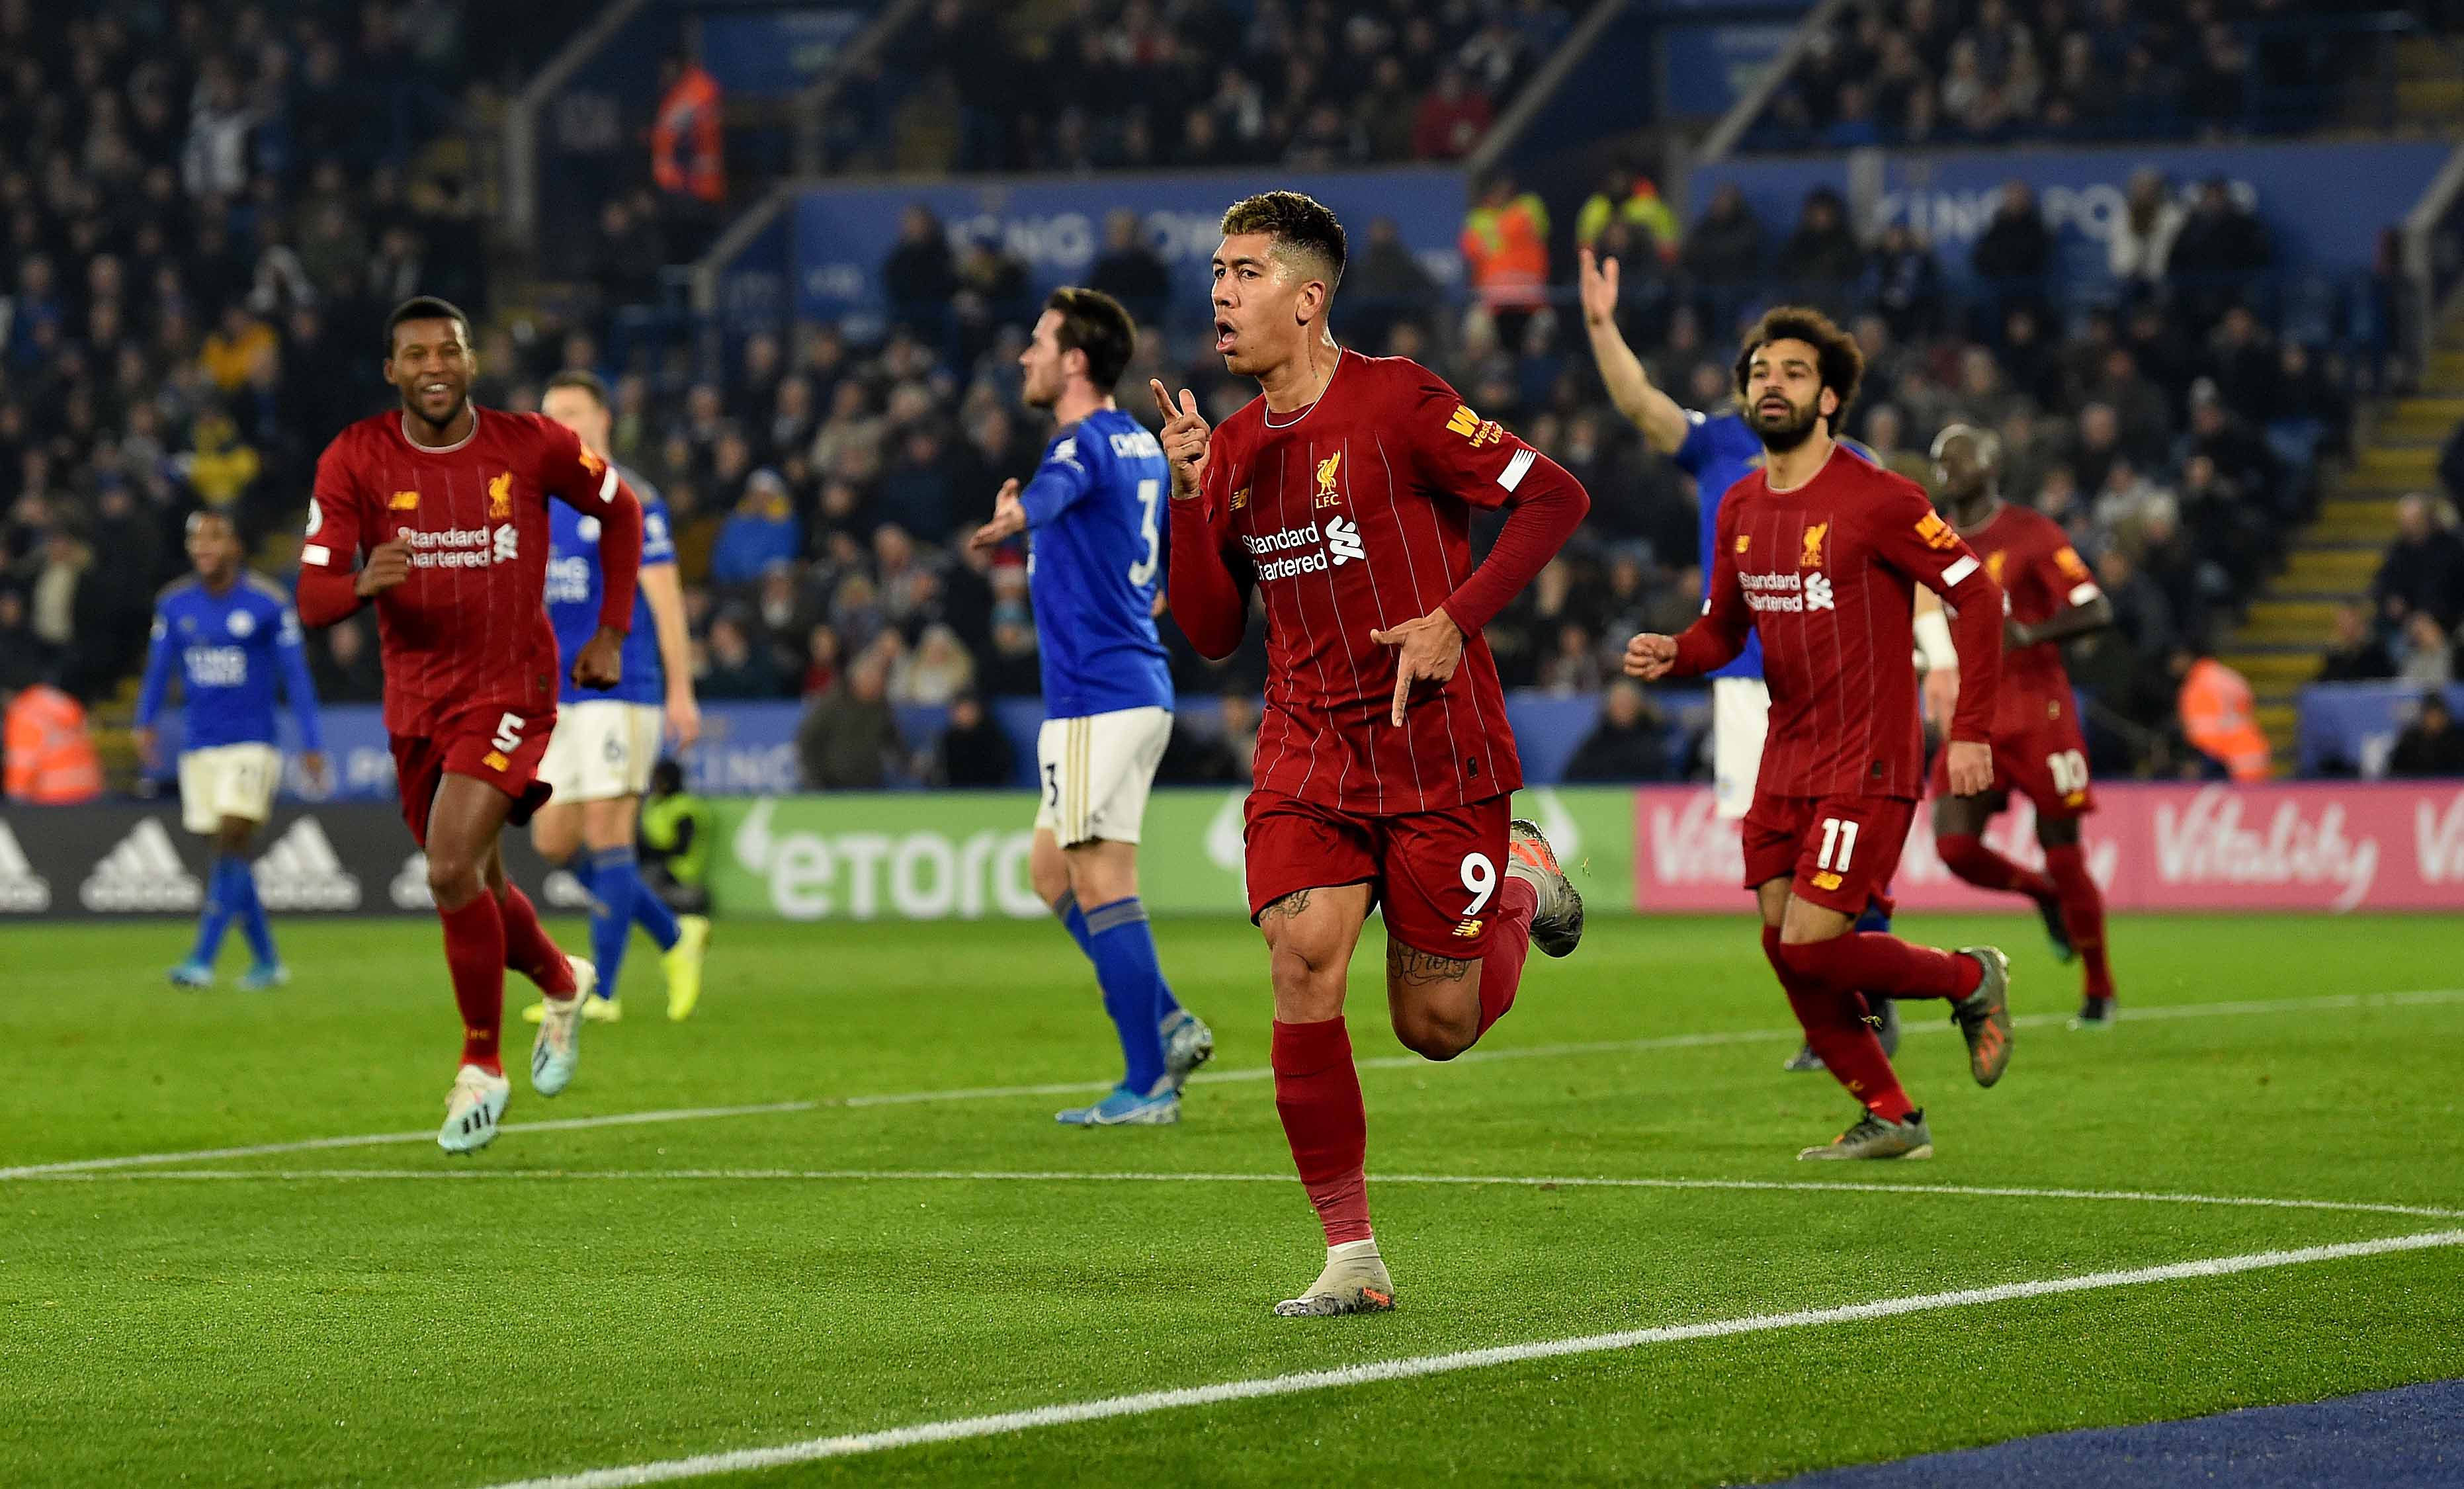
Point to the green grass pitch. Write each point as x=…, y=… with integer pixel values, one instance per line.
x=609, y=1295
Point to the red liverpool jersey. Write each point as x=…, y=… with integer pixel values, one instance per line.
x=1827, y=575
x=468, y=626
x=1354, y=514
x=2041, y=576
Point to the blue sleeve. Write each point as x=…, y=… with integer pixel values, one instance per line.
x=158, y=672
x=298, y=686
x=1062, y=479
x=658, y=540
x=1701, y=446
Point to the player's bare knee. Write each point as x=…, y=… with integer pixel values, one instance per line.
x=453, y=876
x=1431, y=1034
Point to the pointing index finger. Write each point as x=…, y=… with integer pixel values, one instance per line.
x=1402, y=691
x=1163, y=399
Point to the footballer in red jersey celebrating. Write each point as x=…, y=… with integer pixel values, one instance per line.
x=437, y=513
x=1342, y=496
x=2037, y=748
x=1821, y=556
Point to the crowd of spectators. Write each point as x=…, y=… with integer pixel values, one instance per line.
x=1124, y=84
x=197, y=236
x=203, y=207
x=1992, y=72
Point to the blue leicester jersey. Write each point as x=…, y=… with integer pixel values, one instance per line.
x=229, y=651
x=1720, y=451
x=1096, y=512
x=574, y=579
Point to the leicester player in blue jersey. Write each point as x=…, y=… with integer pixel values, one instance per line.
x=231, y=636
x=1094, y=515
x=599, y=759
x=1718, y=450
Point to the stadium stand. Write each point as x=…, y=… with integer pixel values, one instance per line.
x=198, y=234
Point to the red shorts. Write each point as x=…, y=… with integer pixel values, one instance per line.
x=493, y=744
x=1437, y=874
x=2046, y=763
x=1837, y=852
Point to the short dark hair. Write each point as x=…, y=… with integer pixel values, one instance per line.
x=1293, y=220
x=425, y=307
x=581, y=378
x=1093, y=322
x=1838, y=359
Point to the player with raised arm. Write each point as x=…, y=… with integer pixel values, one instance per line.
x=437, y=513
x=1095, y=513
x=2038, y=748
x=229, y=634
x=1718, y=450
x=1344, y=496
x=599, y=758
x=1821, y=556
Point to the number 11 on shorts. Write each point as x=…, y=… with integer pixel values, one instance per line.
x=1839, y=845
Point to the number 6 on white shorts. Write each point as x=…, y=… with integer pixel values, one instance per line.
x=1480, y=877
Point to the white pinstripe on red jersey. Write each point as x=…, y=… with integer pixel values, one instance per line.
x=1341, y=549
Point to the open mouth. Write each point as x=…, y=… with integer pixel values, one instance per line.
x=1225, y=335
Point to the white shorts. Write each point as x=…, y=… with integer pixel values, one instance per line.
x=1096, y=772
x=227, y=780
x=601, y=749
x=1740, y=721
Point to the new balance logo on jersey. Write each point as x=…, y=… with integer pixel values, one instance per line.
x=1343, y=542
x=142, y=873
x=22, y=890
x=399, y=501
x=302, y=872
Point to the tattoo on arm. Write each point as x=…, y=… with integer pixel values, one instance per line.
x=1291, y=904
x=1406, y=967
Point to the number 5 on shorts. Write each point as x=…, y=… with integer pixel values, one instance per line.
x=1480, y=877
x=509, y=734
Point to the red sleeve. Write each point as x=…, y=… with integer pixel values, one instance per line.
x=1911, y=539
x=1714, y=641
x=2064, y=574
x=1478, y=461
x=1206, y=594
x=591, y=487
x=330, y=554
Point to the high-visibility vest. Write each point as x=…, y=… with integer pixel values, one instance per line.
x=687, y=126
x=2219, y=717
x=1505, y=252
x=661, y=817
x=51, y=757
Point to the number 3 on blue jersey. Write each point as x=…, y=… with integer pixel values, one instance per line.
x=1143, y=572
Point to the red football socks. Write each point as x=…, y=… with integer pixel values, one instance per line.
x=2082, y=914
x=1884, y=964
x=1317, y=1093
x=1509, y=943
x=475, y=954
x=1835, y=1028
x=528, y=949
x=1966, y=855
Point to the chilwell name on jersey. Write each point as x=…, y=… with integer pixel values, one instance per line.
x=1337, y=545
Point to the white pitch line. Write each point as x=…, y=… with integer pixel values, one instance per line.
x=1416, y=1366
x=2133, y=1013
x=622, y=1119
x=1093, y=1176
